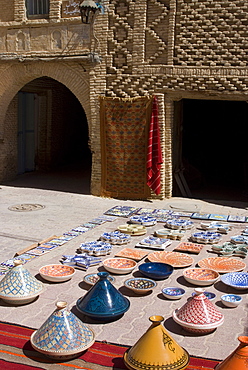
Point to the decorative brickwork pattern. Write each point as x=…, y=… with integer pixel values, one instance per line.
x=211, y=33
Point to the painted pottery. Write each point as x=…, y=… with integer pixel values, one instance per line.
x=231, y=300
x=209, y=295
x=134, y=254
x=189, y=247
x=237, y=280
x=156, y=270
x=222, y=264
x=170, y=234
x=91, y=279
x=175, y=259
x=133, y=230
x=63, y=335
x=179, y=224
x=18, y=286
x=238, y=359
x=103, y=301
x=96, y=248
x=143, y=220
x=57, y=273
x=173, y=292
x=200, y=276
x=156, y=350
x=140, y=285
x=206, y=237
x=198, y=315
x=116, y=237
x=119, y=265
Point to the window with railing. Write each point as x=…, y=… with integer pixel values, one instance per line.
x=37, y=8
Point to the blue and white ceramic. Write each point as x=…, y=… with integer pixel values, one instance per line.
x=206, y=237
x=81, y=261
x=140, y=285
x=18, y=286
x=239, y=239
x=156, y=270
x=209, y=295
x=231, y=300
x=173, y=292
x=91, y=279
x=97, y=248
x=143, y=220
x=63, y=335
x=216, y=226
x=179, y=224
x=116, y=237
x=103, y=302
x=237, y=280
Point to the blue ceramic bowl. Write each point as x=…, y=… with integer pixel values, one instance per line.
x=237, y=280
x=156, y=270
x=173, y=292
x=231, y=300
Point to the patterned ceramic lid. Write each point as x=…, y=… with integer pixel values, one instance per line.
x=198, y=312
x=62, y=334
x=18, y=283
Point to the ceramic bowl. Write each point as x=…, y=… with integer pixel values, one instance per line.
x=119, y=265
x=237, y=280
x=156, y=270
x=231, y=300
x=91, y=279
x=200, y=276
x=57, y=273
x=209, y=295
x=173, y=292
x=140, y=285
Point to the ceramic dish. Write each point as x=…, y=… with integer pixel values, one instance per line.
x=174, y=259
x=140, y=285
x=57, y=273
x=216, y=227
x=200, y=276
x=132, y=229
x=156, y=270
x=170, y=234
x=179, y=224
x=237, y=280
x=119, y=265
x=209, y=295
x=116, y=237
x=189, y=247
x=222, y=264
x=173, y=292
x=96, y=248
x=231, y=300
x=91, y=279
x=134, y=254
x=206, y=237
x=143, y=220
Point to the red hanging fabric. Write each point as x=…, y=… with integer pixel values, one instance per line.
x=154, y=153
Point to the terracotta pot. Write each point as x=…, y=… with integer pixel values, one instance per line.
x=238, y=359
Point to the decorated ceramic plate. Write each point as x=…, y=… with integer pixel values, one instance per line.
x=93, y=278
x=119, y=265
x=189, y=247
x=135, y=254
x=132, y=229
x=57, y=273
x=222, y=264
x=174, y=259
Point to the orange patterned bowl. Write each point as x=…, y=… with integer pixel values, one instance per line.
x=174, y=259
x=200, y=276
x=57, y=273
x=119, y=265
x=222, y=264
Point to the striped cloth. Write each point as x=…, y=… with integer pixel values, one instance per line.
x=154, y=154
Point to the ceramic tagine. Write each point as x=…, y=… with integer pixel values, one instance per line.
x=198, y=315
x=238, y=359
x=103, y=301
x=63, y=335
x=156, y=350
x=18, y=286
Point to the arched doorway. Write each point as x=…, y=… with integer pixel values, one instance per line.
x=53, y=139
x=210, y=147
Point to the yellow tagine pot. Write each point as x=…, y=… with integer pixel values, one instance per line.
x=156, y=350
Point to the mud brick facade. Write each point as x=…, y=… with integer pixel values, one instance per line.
x=176, y=49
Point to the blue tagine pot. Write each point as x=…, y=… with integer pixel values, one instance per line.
x=103, y=301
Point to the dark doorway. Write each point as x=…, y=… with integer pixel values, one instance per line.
x=211, y=148
x=53, y=138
